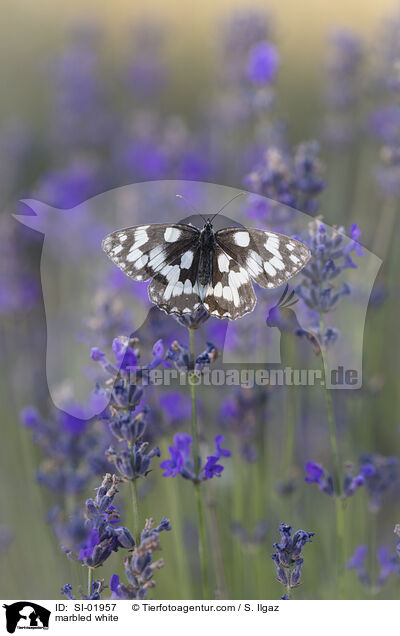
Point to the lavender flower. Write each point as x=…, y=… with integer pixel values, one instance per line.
x=330, y=257
x=388, y=561
x=134, y=462
x=382, y=479
x=6, y=538
x=194, y=320
x=94, y=595
x=72, y=445
x=182, y=462
x=103, y=535
x=288, y=555
x=80, y=117
x=317, y=475
x=250, y=540
x=263, y=62
x=179, y=355
x=19, y=289
x=176, y=408
x=241, y=31
x=385, y=120
x=139, y=566
x=342, y=92
x=127, y=372
x=147, y=72
x=357, y=562
x=294, y=181
x=238, y=415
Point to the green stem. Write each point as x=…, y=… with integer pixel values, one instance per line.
x=202, y=542
x=239, y=514
x=135, y=510
x=337, y=478
x=290, y=433
x=339, y=505
x=196, y=459
x=331, y=420
x=195, y=439
x=90, y=581
x=135, y=502
x=175, y=505
x=221, y=591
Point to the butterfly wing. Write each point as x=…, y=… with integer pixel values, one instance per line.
x=269, y=258
x=143, y=251
x=231, y=293
x=175, y=289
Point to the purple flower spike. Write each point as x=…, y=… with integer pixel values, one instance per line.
x=288, y=555
x=114, y=582
x=221, y=452
x=358, y=558
x=125, y=357
x=367, y=470
x=96, y=354
x=158, y=353
x=212, y=468
x=182, y=462
x=30, y=417
x=180, y=453
x=263, y=63
x=183, y=443
x=173, y=466
x=315, y=473
x=356, y=562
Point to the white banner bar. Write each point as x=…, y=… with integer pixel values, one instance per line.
x=296, y=617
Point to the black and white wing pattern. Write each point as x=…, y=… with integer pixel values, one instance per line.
x=143, y=251
x=230, y=293
x=191, y=268
x=269, y=258
x=175, y=289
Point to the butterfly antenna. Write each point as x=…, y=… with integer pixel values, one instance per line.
x=241, y=194
x=192, y=206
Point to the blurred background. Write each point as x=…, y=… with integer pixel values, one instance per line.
x=300, y=105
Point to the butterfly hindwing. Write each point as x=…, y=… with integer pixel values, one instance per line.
x=269, y=258
x=144, y=250
x=230, y=294
x=175, y=289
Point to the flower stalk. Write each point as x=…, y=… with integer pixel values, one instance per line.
x=196, y=460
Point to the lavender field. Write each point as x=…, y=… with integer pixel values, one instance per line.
x=216, y=485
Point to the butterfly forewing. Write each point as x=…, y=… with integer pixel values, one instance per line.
x=269, y=258
x=144, y=250
x=230, y=293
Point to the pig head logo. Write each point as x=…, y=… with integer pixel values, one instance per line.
x=74, y=268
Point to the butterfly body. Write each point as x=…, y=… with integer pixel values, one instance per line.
x=207, y=245
x=192, y=267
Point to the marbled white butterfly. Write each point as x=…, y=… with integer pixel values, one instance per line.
x=191, y=268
